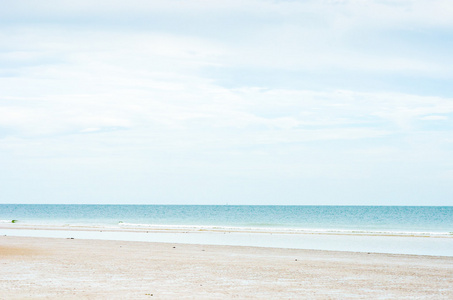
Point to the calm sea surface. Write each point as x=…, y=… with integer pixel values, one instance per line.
x=421, y=219
x=391, y=229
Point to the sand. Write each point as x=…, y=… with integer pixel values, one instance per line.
x=50, y=268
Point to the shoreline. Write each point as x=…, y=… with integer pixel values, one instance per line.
x=391, y=244
x=217, y=229
x=36, y=267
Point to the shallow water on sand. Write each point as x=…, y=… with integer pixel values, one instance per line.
x=355, y=243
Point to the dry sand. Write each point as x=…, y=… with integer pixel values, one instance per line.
x=95, y=269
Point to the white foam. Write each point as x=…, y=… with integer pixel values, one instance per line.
x=125, y=226
x=280, y=230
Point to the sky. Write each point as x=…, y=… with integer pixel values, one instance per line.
x=314, y=102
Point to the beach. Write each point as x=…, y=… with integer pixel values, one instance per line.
x=51, y=268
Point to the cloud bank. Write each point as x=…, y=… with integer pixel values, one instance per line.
x=213, y=102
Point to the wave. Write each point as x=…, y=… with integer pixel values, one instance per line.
x=190, y=228
x=251, y=229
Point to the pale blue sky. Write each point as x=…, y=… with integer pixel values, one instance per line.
x=239, y=102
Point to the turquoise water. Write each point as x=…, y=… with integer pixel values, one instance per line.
x=409, y=219
x=384, y=229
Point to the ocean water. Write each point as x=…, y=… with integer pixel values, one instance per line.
x=391, y=219
x=391, y=229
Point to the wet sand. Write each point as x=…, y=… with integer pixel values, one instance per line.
x=53, y=268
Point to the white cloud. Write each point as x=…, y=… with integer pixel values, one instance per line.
x=290, y=115
x=435, y=11
x=434, y=118
x=312, y=35
x=125, y=87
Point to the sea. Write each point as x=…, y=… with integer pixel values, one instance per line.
x=418, y=230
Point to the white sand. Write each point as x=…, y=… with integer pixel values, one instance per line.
x=94, y=269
